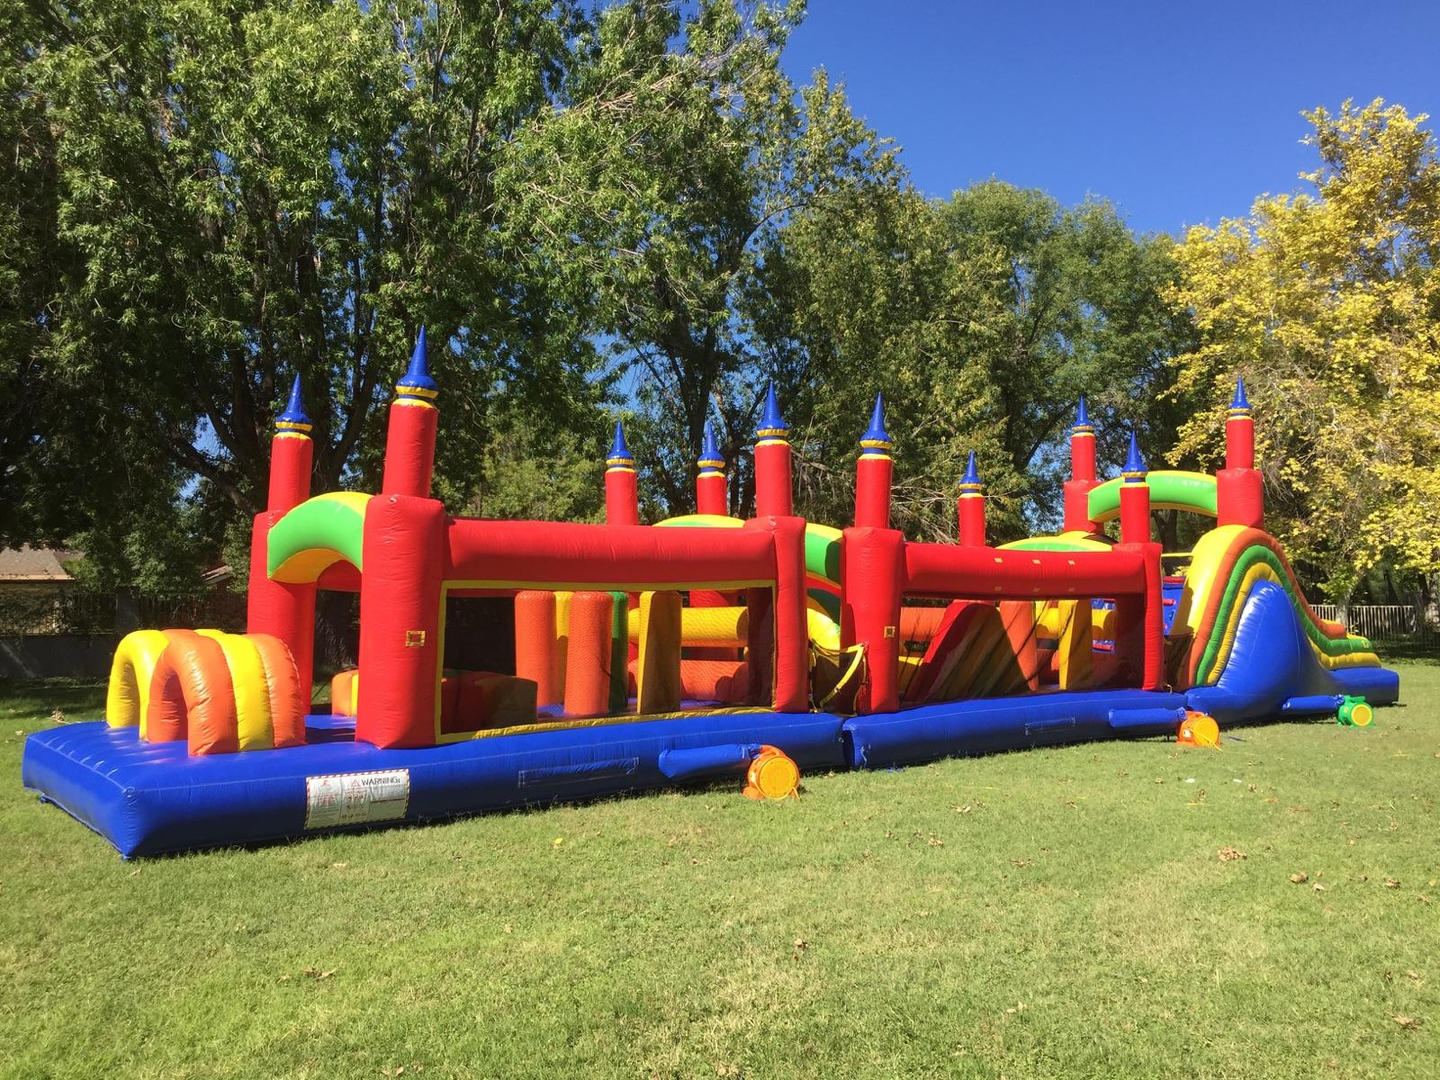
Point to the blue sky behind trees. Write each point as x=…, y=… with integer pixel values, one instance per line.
x=1181, y=113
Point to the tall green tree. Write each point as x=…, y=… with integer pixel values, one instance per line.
x=1328, y=303
x=983, y=318
x=244, y=190
x=677, y=147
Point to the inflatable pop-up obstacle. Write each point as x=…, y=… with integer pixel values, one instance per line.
x=701, y=646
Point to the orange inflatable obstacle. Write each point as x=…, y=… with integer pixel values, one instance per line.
x=219, y=692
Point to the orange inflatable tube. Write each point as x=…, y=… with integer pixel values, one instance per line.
x=192, y=697
x=282, y=680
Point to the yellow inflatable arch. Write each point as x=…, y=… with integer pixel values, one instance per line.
x=128, y=699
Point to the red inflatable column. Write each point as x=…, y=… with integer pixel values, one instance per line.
x=874, y=472
x=404, y=556
x=773, y=485
x=410, y=439
x=1082, y=475
x=871, y=569
x=970, y=507
x=1152, y=676
x=400, y=646
x=622, y=493
x=1239, y=488
x=284, y=611
x=1139, y=620
x=790, y=639
x=711, y=497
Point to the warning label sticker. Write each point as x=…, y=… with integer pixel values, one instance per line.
x=355, y=798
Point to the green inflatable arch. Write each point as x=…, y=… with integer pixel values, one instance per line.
x=1169, y=490
x=317, y=533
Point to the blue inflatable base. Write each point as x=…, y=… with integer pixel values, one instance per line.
x=151, y=798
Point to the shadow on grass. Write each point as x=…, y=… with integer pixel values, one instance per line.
x=1408, y=652
x=85, y=698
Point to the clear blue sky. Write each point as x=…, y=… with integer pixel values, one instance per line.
x=1179, y=112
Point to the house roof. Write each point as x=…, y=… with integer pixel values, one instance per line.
x=33, y=564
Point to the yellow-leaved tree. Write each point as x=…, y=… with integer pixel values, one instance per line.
x=1328, y=303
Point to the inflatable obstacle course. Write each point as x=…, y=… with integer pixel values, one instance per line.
x=705, y=646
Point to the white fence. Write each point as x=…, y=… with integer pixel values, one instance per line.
x=1384, y=622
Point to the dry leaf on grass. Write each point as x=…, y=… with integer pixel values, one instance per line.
x=317, y=974
x=1392, y=883
x=1302, y=876
x=1230, y=854
x=1409, y=1023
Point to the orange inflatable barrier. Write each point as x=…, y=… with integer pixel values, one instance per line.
x=192, y=697
x=288, y=700
x=537, y=644
x=220, y=692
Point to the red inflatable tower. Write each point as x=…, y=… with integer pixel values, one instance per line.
x=773, y=487
x=970, y=507
x=284, y=611
x=874, y=470
x=622, y=493
x=1082, y=474
x=410, y=440
x=711, y=496
x=1239, y=489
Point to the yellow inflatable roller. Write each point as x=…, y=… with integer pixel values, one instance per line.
x=729, y=626
x=128, y=699
x=1050, y=622
x=703, y=626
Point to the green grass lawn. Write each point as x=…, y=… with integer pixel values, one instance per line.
x=1062, y=912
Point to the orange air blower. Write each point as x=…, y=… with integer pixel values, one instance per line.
x=772, y=775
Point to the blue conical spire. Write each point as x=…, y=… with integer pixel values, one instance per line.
x=619, y=457
x=1082, y=419
x=971, y=480
x=416, y=383
x=876, y=440
x=1134, y=469
x=710, y=460
x=1240, y=405
x=294, y=418
x=772, y=424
